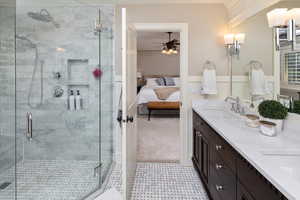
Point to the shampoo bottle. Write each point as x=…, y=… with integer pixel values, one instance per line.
x=71, y=101
x=78, y=101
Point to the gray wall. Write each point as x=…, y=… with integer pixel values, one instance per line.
x=207, y=25
x=155, y=63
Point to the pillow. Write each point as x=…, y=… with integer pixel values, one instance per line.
x=160, y=81
x=151, y=82
x=169, y=81
x=177, y=81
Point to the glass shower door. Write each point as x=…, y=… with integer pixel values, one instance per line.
x=61, y=103
x=7, y=99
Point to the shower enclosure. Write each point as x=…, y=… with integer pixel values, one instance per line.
x=56, y=134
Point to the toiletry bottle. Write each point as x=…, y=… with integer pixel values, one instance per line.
x=78, y=101
x=71, y=101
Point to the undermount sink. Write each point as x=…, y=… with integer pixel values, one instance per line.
x=287, y=152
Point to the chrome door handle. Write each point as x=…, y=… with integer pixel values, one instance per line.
x=29, y=125
x=129, y=119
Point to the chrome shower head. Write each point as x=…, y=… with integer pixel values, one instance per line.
x=43, y=16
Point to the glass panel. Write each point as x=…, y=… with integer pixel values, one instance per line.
x=7, y=100
x=57, y=60
x=106, y=63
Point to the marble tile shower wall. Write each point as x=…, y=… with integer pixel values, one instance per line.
x=57, y=132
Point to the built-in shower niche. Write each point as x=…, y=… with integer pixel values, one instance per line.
x=78, y=79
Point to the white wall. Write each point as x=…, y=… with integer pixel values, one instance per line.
x=207, y=25
x=155, y=63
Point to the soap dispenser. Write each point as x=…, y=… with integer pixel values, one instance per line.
x=78, y=101
x=71, y=101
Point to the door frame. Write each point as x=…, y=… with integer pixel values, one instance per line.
x=184, y=63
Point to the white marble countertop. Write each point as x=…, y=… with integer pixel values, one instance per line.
x=283, y=171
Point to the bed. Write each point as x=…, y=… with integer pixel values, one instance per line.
x=148, y=96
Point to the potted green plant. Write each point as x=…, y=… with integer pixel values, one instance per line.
x=273, y=111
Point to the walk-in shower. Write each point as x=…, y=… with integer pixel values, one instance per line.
x=49, y=151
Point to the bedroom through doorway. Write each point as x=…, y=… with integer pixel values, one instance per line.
x=158, y=99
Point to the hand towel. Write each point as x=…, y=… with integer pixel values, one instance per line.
x=209, y=83
x=258, y=82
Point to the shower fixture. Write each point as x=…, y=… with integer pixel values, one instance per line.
x=43, y=16
x=32, y=45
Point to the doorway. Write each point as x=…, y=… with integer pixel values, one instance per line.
x=158, y=99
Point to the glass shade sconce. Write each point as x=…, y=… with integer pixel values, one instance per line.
x=285, y=23
x=233, y=43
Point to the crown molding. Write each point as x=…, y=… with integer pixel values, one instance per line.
x=170, y=1
x=247, y=9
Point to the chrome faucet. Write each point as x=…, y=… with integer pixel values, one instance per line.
x=29, y=125
x=236, y=105
x=255, y=98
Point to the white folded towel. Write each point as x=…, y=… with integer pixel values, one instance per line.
x=209, y=83
x=258, y=82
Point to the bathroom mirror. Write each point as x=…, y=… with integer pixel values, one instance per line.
x=259, y=46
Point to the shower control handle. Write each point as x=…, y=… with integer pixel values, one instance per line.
x=29, y=125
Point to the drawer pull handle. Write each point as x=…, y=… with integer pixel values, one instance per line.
x=219, y=187
x=198, y=133
x=218, y=147
x=218, y=167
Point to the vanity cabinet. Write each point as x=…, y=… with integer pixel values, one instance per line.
x=224, y=172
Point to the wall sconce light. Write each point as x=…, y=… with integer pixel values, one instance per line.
x=233, y=43
x=284, y=20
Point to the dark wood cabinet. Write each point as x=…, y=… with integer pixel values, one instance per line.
x=242, y=193
x=201, y=154
x=224, y=172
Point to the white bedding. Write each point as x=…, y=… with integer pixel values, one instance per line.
x=147, y=94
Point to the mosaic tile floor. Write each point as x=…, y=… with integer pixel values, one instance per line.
x=51, y=180
x=167, y=181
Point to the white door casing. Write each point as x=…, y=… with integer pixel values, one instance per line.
x=129, y=93
x=185, y=134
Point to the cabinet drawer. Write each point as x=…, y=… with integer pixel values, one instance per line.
x=255, y=183
x=223, y=179
x=225, y=151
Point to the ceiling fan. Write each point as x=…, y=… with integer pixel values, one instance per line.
x=171, y=46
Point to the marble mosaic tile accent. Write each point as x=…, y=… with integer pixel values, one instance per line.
x=167, y=181
x=51, y=180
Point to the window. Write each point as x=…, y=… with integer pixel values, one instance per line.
x=292, y=63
